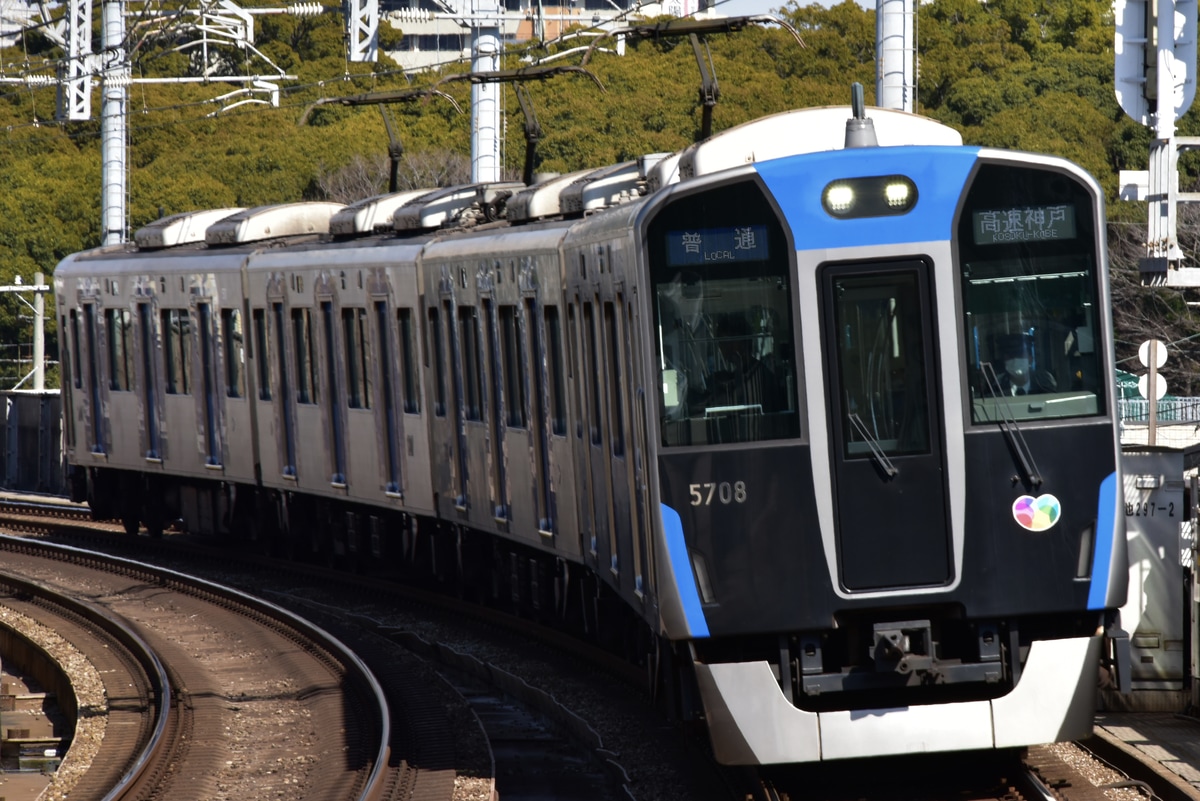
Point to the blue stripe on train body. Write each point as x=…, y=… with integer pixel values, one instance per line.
x=1106, y=521
x=681, y=568
x=940, y=174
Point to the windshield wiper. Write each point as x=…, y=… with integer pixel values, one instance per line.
x=1008, y=423
x=876, y=450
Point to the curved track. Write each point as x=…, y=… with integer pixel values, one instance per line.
x=262, y=703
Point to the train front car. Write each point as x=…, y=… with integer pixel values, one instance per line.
x=886, y=449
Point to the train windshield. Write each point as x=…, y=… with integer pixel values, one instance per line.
x=1027, y=251
x=721, y=288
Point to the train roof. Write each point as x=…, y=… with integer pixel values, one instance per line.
x=573, y=196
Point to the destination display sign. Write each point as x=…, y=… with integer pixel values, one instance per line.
x=1024, y=224
x=697, y=246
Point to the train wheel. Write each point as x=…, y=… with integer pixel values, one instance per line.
x=129, y=517
x=131, y=503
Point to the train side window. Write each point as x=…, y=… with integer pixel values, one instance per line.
x=306, y=362
x=261, y=336
x=235, y=353
x=615, y=392
x=177, y=351
x=119, y=368
x=408, y=362
x=558, y=407
x=439, y=363
x=468, y=331
x=76, y=368
x=358, y=376
x=513, y=354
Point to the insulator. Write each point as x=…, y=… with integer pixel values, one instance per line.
x=410, y=15
x=306, y=9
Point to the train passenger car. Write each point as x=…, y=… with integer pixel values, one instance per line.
x=816, y=427
x=155, y=369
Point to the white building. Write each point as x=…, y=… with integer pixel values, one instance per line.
x=433, y=37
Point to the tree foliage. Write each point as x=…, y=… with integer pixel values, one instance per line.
x=1027, y=74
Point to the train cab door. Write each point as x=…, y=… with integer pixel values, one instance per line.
x=893, y=526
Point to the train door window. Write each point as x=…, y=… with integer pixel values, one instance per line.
x=554, y=369
x=235, y=352
x=149, y=386
x=439, y=364
x=177, y=351
x=306, y=362
x=358, y=377
x=468, y=332
x=1030, y=283
x=615, y=390
x=881, y=364
x=721, y=293
x=592, y=373
x=263, y=361
x=514, y=367
x=289, y=423
x=409, y=362
x=119, y=365
x=77, y=367
x=90, y=326
x=383, y=356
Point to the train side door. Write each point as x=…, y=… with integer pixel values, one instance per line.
x=148, y=335
x=287, y=409
x=886, y=439
x=616, y=381
x=96, y=416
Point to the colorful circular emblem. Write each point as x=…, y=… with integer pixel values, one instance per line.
x=1036, y=514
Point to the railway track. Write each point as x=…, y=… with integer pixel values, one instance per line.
x=539, y=742
x=328, y=596
x=260, y=702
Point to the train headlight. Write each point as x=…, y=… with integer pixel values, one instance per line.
x=896, y=194
x=839, y=198
x=874, y=196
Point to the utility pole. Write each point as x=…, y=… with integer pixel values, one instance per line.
x=485, y=105
x=896, y=54
x=113, y=133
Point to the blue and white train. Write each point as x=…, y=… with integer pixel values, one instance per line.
x=812, y=417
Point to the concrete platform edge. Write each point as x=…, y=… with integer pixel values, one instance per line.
x=1121, y=754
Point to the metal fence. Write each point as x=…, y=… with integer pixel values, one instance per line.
x=31, y=442
x=1170, y=410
